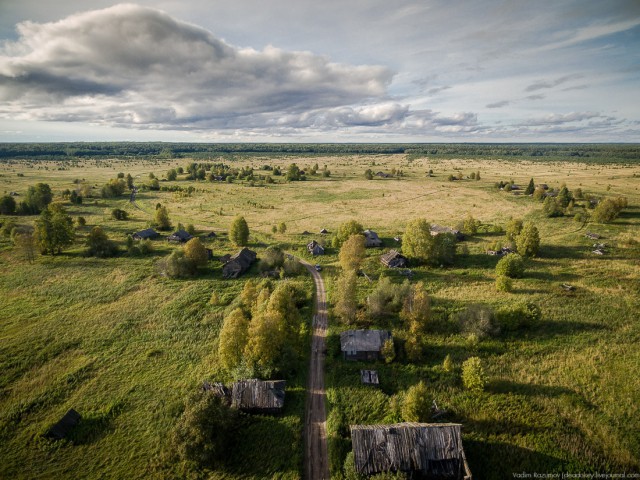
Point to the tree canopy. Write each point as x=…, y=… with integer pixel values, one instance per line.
x=239, y=232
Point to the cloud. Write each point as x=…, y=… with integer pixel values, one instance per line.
x=134, y=66
x=537, y=96
x=559, y=118
x=500, y=104
x=544, y=84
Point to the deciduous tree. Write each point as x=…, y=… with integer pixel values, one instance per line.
x=195, y=251
x=233, y=339
x=352, y=252
x=528, y=241
x=239, y=231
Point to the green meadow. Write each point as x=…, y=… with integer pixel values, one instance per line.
x=125, y=346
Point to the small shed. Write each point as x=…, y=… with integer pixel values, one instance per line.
x=179, y=236
x=66, y=423
x=238, y=263
x=369, y=377
x=147, y=234
x=438, y=229
x=258, y=396
x=315, y=248
x=371, y=239
x=363, y=344
x=423, y=450
x=592, y=236
x=393, y=259
x=324, y=231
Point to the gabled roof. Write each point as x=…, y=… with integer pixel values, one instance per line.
x=180, y=236
x=258, y=395
x=238, y=263
x=393, y=258
x=146, y=233
x=363, y=340
x=371, y=239
x=315, y=248
x=430, y=450
x=66, y=423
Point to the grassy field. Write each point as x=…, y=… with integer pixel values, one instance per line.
x=124, y=346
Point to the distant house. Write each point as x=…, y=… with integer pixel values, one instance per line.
x=369, y=377
x=371, y=239
x=363, y=344
x=180, y=236
x=383, y=175
x=393, y=259
x=66, y=423
x=147, y=234
x=324, y=231
x=315, y=248
x=423, y=450
x=592, y=236
x=238, y=263
x=258, y=396
x=438, y=229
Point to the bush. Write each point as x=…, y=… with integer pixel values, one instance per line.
x=195, y=251
x=345, y=230
x=99, y=244
x=478, y=320
x=202, y=433
x=119, y=214
x=416, y=406
x=7, y=205
x=177, y=265
x=473, y=375
x=552, y=208
x=504, y=284
x=162, y=221
x=528, y=241
x=388, y=351
x=518, y=315
x=239, y=232
x=81, y=221
x=511, y=266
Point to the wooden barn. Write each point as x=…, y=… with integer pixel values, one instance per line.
x=393, y=259
x=258, y=396
x=147, y=234
x=438, y=229
x=66, y=423
x=180, y=236
x=238, y=263
x=371, y=239
x=315, y=248
x=423, y=450
x=363, y=344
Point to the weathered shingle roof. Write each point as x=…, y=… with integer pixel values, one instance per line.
x=363, y=340
x=239, y=263
x=146, y=233
x=391, y=257
x=180, y=236
x=431, y=450
x=257, y=395
x=371, y=239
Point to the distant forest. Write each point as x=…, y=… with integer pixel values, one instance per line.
x=596, y=153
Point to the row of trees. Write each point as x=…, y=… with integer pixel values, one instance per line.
x=37, y=198
x=263, y=332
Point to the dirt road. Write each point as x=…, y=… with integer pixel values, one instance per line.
x=315, y=429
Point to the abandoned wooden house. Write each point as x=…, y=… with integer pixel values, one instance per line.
x=238, y=263
x=324, y=231
x=66, y=423
x=383, y=175
x=438, y=229
x=258, y=396
x=147, y=234
x=423, y=450
x=371, y=239
x=393, y=259
x=363, y=344
x=592, y=236
x=315, y=248
x=369, y=377
x=179, y=236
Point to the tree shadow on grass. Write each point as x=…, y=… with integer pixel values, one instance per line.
x=552, y=328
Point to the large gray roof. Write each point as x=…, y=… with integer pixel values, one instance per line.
x=363, y=340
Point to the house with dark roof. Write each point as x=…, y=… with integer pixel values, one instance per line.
x=363, y=344
x=315, y=248
x=64, y=426
x=422, y=450
x=238, y=263
x=371, y=239
x=258, y=396
x=393, y=259
x=179, y=236
x=146, y=234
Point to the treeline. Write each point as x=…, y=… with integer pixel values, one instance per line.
x=596, y=153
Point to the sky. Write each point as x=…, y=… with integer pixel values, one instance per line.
x=320, y=71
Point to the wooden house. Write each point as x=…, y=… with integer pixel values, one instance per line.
x=422, y=450
x=393, y=259
x=66, y=423
x=315, y=248
x=324, y=231
x=238, y=263
x=179, y=236
x=371, y=239
x=363, y=344
x=258, y=396
x=438, y=229
x=147, y=234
